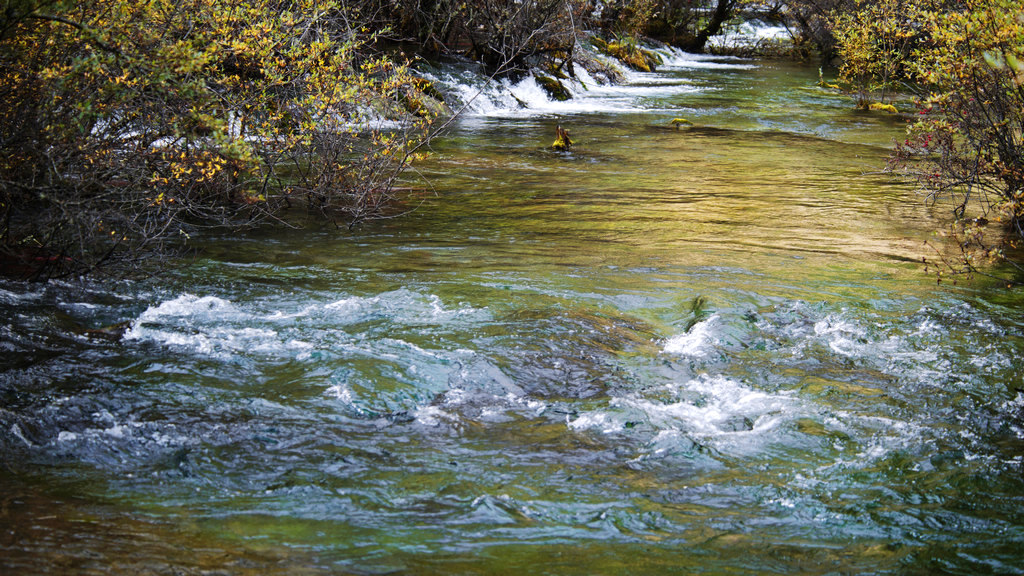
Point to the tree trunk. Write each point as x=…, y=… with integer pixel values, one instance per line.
x=723, y=12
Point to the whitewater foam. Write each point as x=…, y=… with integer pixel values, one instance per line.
x=214, y=326
x=843, y=337
x=706, y=407
x=697, y=342
x=675, y=59
x=490, y=98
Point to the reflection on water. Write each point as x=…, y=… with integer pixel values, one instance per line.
x=668, y=351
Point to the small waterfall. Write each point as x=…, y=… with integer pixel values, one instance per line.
x=478, y=95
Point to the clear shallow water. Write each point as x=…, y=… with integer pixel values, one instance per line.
x=708, y=350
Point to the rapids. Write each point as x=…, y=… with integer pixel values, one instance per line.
x=710, y=349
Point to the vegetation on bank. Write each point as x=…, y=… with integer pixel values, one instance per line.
x=963, y=61
x=125, y=126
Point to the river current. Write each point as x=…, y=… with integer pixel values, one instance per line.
x=673, y=350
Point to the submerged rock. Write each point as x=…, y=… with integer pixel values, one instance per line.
x=110, y=333
x=17, y=430
x=582, y=361
x=737, y=423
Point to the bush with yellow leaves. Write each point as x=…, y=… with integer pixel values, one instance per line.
x=125, y=125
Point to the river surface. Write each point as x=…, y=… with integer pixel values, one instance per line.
x=711, y=349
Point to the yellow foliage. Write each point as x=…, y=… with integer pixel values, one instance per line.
x=193, y=105
x=967, y=145
x=883, y=107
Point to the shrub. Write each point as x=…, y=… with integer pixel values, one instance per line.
x=127, y=125
x=967, y=145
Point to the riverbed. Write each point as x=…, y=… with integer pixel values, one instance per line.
x=675, y=349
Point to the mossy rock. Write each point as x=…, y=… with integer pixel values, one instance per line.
x=422, y=99
x=553, y=69
x=428, y=88
x=555, y=89
x=630, y=54
x=603, y=72
x=879, y=106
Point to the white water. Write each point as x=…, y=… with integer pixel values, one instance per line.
x=483, y=97
x=454, y=387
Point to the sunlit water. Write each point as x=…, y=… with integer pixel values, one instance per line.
x=700, y=350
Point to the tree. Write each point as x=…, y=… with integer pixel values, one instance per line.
x=127, y=125
x=810, y=20
x=507, y=37
x=875, y=43
x=686, y=24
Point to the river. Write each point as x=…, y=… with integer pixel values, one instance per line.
x=705, y=349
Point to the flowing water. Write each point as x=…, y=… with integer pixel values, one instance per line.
x=710, y=349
